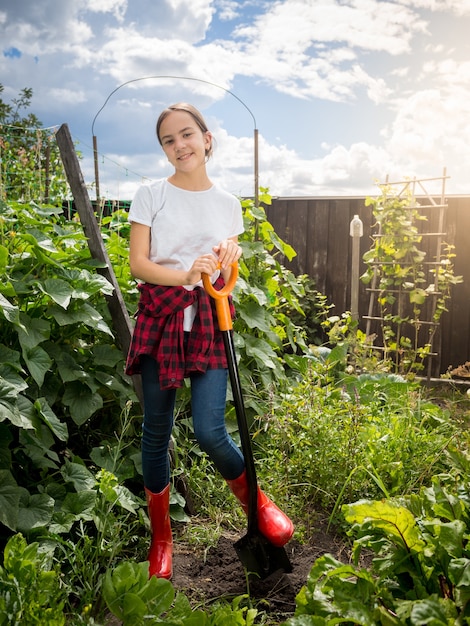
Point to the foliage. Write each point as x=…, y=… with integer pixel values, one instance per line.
x=313, y=312
x=343, y=330
x=30, y=589
x=31, y=593
x=343, y=436
x=115, y=231
x=60, y=367
x=30, y=164
x=135, y=599
x=397, y=271
x=420, y=566
x=265, y=294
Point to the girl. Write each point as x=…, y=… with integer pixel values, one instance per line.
x=182, y=227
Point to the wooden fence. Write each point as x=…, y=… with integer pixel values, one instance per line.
x=318, y=229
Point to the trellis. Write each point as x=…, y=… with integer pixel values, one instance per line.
x=425, y=329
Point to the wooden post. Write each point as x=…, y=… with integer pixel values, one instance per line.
x=97, y=171
x=256, y=167
x=47, y=172
x=119, y=314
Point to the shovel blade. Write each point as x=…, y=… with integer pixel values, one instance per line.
x=259, y=557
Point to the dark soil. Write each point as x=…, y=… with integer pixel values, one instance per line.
x=220, y=574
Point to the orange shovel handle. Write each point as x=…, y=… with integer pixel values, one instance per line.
x=221, y=297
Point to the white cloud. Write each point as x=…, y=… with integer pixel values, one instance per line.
x=45, y=28
x=399, y=90
x=117, y=8
x=459, y=7
x=308, y=49
x=363, y=24
x=228, y=9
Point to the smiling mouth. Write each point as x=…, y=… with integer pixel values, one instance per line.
x=184, y=157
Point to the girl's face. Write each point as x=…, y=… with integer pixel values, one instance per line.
x=183, y=141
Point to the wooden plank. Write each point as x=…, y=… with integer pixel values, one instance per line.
x=317, y=240
x=456, y=323
x=297, y=218
x=120, y=317
x=339, y=255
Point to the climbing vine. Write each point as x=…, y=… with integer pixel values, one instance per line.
x=411, y=291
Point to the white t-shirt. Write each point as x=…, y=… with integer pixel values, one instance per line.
x=185, y=224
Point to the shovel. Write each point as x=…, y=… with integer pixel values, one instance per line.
x=256, y=553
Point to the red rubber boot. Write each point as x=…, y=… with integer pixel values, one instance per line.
x=161, y=547
x=272, y=522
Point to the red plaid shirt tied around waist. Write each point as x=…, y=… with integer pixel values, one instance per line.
x=159, y=333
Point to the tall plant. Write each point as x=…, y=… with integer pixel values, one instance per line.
x=397, y=273
x=59, y=366
x=272, y=341
x=30, y=164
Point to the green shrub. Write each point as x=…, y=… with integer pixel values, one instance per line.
x=341, y=437
x=420, y=570
x=30, y=591
x=59, y=366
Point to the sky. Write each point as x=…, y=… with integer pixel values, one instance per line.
x=343, y=94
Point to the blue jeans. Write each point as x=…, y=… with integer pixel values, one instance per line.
x=208, y=397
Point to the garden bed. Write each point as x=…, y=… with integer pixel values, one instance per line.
x=207, y=576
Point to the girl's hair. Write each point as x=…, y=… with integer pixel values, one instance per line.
x=193, y=112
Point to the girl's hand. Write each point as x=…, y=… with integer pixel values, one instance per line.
x=205, y=264
x=228, y=251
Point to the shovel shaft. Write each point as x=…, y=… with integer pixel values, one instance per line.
x=243, y=429
x=225, y=324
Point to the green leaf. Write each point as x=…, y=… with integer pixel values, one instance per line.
x=9, y=500
x=48, y=416
x=283, y=247
x=107, y=355
x=10, y=312
x=80, y=504
x=33, y=332
x=256, y=316
x=38, y=238
x=69, y=369
x=59, y=290
x=6, y=438
x=105, y=456
x=26, y=409
x=81, y=401
x=3, y=258
x=9, y=357
x=338, y=354
x=418, y=296
x=77, y=474
x=62, y=522
x=37, y=446
x=395, y=521
x=133, y=609
x=459, y=572
x=35, y=511
x=261, y=351
x=92, y=284
x=83, y=313
x=38, y=362
x=428, y=612
x=128, y=591
x=8, y=405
